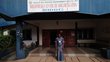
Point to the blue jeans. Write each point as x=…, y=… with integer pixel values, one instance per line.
x=60, y=56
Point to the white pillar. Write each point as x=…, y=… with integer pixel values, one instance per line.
x=40, y=36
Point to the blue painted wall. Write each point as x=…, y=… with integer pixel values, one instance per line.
x=15, y=8
x=96, y=7
x=6, y=23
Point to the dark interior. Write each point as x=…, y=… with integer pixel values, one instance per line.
x=53, y=35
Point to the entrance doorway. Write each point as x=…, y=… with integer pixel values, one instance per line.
x=49, y=37
x=53, y=35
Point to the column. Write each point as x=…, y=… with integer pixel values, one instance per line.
x=38, y=36
x=76, y=29
x=20, y=53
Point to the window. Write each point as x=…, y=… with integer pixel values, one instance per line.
x=27, y=35
x=79, y=34
x=85, y=33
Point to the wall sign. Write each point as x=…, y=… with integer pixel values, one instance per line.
x=52, y=5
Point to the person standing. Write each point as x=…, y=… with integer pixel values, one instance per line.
x=59, y=43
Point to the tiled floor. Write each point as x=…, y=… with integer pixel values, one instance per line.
x=67, y=59
x=67, y=52
x=70, y=55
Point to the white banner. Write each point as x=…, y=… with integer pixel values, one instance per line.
x=52, y=5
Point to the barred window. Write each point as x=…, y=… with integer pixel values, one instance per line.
x=85, y=33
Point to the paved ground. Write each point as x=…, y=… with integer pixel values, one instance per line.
x=71, y=55
x=70, y=51
x=53, y=59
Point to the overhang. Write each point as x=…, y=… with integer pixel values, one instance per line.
x=14, y=8
x=4, y=23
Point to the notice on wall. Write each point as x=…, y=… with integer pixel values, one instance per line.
x=52, y=5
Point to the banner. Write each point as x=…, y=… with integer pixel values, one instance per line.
x=52, y=5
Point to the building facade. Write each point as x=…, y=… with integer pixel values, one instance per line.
x=80, y=28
